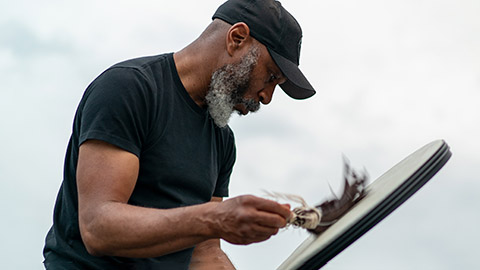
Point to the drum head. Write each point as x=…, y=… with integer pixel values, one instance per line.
x=384, y=195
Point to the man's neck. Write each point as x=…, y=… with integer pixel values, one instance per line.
x=194, y=71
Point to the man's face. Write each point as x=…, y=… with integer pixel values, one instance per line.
x=228, y=86
x=241, y=86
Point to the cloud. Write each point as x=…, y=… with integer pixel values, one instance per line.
x=22, y=42
x=390, y=76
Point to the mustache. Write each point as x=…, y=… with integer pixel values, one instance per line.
x=251, y=105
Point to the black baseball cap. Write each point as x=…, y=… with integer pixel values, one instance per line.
x=278, y=30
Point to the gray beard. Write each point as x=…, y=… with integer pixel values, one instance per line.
x=228, y=86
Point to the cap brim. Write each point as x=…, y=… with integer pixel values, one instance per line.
x=296, y=86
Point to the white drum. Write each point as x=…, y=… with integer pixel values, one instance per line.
x=384, y=195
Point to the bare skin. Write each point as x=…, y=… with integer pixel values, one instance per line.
x=208, y=255
x=106, y=176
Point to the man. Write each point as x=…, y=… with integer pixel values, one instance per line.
x=150, y=155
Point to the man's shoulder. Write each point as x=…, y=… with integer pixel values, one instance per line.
x=153, y=71
x=145, y=61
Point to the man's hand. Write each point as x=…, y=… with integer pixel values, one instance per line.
x=249, y=219
x=242, y=220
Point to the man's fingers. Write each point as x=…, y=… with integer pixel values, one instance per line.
x=248, y=219
x=270, y=220
x=255, y=233
x=272, y=207
x=264, y=231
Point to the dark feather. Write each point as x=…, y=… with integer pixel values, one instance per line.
x=353, y=191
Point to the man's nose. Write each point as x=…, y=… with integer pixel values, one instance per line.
x=265, y=96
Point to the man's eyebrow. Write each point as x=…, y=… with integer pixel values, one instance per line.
x=276, y=71
x=279, y=74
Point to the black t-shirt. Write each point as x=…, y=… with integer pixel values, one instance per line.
x=142, y=107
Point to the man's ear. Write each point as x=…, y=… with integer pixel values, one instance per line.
x=237, y=37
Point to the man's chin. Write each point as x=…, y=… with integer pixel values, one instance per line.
x=241, y=113
x=240, y=110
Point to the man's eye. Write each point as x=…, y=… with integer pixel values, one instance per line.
x=272, y=77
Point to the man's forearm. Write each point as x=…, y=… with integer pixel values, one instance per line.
x=119, y=229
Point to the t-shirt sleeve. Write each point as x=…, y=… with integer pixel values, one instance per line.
x=221, y=188
x=116, y=109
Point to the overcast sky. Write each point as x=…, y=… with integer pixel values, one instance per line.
x=391, y=76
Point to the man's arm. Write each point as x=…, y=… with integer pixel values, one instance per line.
x=208, y=254
x=106, y=177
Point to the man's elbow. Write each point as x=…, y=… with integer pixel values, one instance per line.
x=94, y=241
